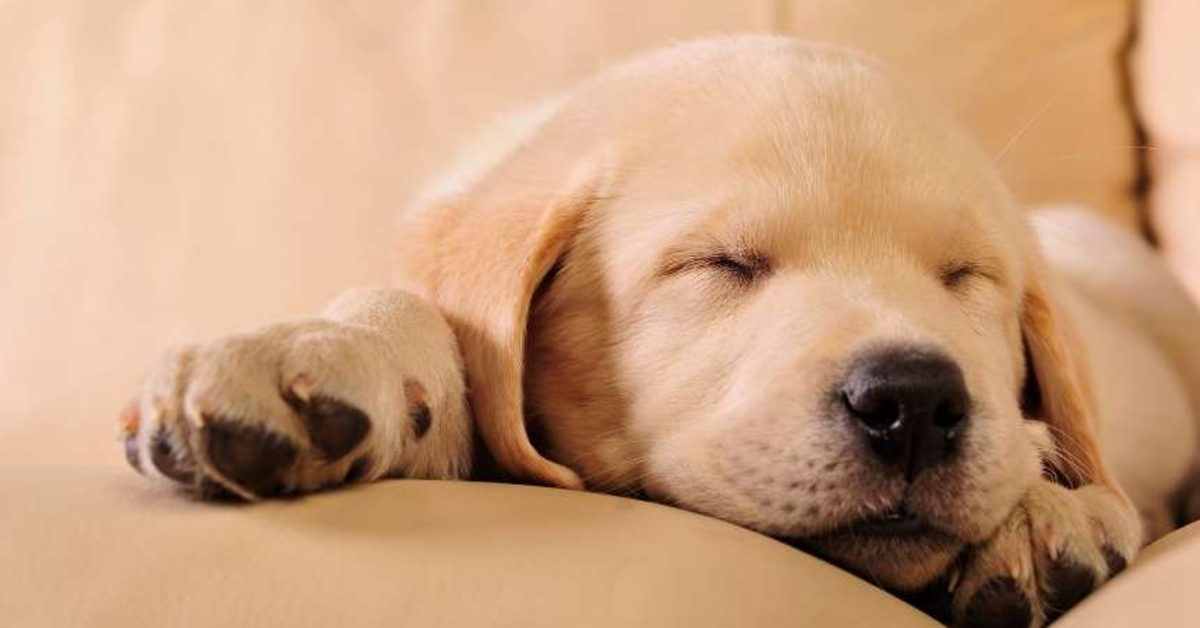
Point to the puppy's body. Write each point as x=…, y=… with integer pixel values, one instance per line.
x=762, y=280
x=1139, y=329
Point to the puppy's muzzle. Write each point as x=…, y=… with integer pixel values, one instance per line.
x=911, y=403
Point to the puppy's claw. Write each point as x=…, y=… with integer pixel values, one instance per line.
x=301, y=388
x=1015, y=571
x=128, y=420
x=952, y=583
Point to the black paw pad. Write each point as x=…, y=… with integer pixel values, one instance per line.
x=334, y=426
x=999, y=603
x=422, y=418
x=1068, y=583
x=209, y=490
x=358, y=469
x=1116, y=562
x=171, y=460
x=418, y=407
x=251, y=457
x=935, y=599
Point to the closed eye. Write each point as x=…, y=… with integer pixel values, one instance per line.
x=955, y=275
x=744, y=268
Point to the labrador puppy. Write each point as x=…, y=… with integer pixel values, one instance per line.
x=752, y=277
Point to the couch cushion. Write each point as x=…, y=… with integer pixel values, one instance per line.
x=95, y=547
x=105, y=548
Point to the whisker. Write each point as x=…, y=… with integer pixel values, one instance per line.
x=998, y=160
x=1064, y=455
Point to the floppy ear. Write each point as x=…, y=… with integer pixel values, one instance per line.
x=1064, y=396
x=480, y=256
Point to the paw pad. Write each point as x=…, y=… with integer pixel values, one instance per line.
x=335, y=427
x=418, y=407
x=1116, y=562
x=170, y=460
x=250, y=457
x=998, y=604
x=1068, y=582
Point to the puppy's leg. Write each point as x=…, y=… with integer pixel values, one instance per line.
x=371, y=388
x=1054, y=550
x=1057, y=546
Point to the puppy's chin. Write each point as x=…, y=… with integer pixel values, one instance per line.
x=901, y=563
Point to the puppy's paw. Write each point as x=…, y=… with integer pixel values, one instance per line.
x=1055, y=549
x=294, y=408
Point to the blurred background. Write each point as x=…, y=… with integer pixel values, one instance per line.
x=172, y=170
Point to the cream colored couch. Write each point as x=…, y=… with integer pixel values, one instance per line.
x=171, y=171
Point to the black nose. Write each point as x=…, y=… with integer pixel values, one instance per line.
x=911, y=403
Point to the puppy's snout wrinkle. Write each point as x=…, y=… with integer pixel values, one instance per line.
x=911, y=404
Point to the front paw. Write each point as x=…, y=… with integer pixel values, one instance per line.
x=1055, y=549
x=293, y=408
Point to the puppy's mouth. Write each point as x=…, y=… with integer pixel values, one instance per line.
x=900, y=525
x=899, y=549
x=897, y=523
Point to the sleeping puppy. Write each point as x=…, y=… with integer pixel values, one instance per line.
x=755, y=278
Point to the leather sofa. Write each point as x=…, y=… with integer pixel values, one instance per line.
x=172, y=171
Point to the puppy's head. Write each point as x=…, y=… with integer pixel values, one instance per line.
x=761, y=280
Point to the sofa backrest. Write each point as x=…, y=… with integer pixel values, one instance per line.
x=174, y=170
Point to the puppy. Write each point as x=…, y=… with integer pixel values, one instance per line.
x=755, y=278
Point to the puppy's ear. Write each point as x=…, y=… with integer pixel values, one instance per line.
x=480, y=256
x=1059, y=389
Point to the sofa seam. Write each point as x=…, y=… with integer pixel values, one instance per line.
x=1143, y=179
